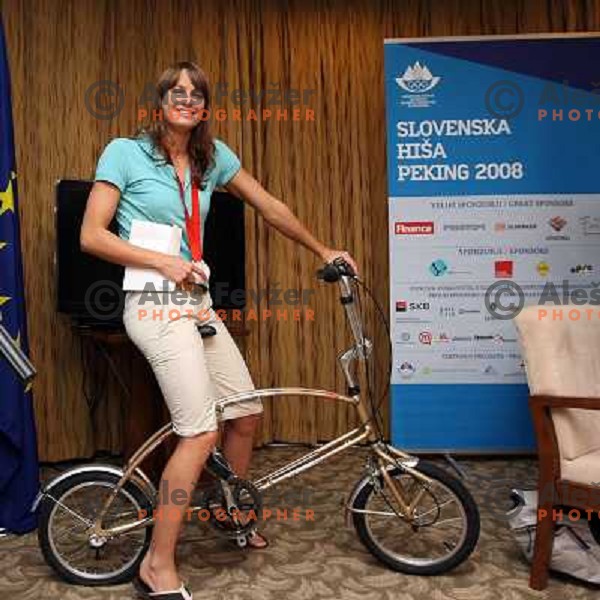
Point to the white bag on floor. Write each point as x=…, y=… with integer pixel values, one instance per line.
x=575, y=551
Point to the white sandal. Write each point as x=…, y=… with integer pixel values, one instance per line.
x=145, y=591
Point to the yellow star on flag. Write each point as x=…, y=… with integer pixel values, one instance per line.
x=7, y=201
x=4, y=300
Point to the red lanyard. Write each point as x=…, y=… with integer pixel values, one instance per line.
x=192, y=223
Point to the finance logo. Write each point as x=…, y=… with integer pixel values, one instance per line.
x=414, y=228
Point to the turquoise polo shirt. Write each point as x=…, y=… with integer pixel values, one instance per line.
x=148, y=185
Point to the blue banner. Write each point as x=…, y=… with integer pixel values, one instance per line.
x=493, y=160
x=19, y=481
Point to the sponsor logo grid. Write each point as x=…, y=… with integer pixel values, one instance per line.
x=463, y=261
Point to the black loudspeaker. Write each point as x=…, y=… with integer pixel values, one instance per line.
x=78, y=274
x=225, y=250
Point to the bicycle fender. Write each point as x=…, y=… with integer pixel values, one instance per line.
x=139, y=478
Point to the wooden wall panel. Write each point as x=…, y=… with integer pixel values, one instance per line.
x=332, y=171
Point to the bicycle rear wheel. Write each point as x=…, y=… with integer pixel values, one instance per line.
x=65, y=521
x=441, y=534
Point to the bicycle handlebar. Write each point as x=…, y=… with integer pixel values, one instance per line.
x=334, y=271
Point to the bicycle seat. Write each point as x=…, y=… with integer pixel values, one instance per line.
x=206, y=331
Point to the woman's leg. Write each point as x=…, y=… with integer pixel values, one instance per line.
x=230, y=375
x=175, y=351
x=238, y=440
x=158, y=569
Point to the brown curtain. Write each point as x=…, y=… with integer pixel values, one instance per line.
x=330, y=171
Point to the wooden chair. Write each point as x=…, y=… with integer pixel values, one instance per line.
x=562, y=359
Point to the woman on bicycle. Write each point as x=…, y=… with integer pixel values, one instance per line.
x=159, y=176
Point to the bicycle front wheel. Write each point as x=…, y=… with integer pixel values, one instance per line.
x=441, y=532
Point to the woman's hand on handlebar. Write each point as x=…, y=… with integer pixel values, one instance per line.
x=329, y=255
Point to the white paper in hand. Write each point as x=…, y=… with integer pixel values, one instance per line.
x=157, y=237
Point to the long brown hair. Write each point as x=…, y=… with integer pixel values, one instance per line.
x=201, y=146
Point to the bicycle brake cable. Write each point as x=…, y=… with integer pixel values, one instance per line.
x=376, y=408
x=376, y=413
x=388, y=338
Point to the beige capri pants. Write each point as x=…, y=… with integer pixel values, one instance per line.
x=192, y=372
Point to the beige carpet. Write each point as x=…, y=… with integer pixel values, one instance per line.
x=323, y=559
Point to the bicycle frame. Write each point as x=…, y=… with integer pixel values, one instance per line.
x=386, y=457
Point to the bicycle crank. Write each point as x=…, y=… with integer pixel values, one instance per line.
x=234, y=507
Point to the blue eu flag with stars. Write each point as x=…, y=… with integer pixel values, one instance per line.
x=19, y=481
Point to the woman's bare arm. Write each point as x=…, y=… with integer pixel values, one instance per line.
x=277, y=214
x=98, y=240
